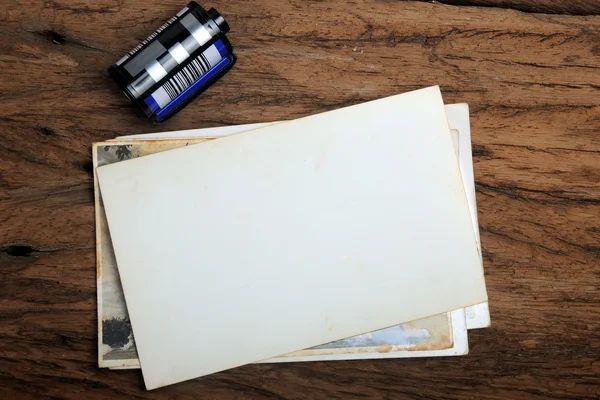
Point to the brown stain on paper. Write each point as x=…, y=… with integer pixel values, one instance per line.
x=439, y=328
x=384, y=348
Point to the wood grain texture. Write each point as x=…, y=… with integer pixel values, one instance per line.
x=532, y=82
x=575, y=7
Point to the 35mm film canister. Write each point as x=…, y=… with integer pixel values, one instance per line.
x=176, y=63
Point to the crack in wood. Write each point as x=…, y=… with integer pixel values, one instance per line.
x=571, y=7
x=514, y=192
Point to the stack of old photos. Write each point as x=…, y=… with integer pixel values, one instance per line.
x=440, y=335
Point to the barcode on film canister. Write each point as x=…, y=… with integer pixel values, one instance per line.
x=198, y=70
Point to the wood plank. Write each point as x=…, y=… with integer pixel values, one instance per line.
x=574, y=7
x=531, y=80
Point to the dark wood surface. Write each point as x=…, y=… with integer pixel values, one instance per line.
x=533, y=84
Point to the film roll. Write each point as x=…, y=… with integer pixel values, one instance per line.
x=176, y=62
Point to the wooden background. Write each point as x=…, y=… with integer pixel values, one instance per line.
x=529, y=70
